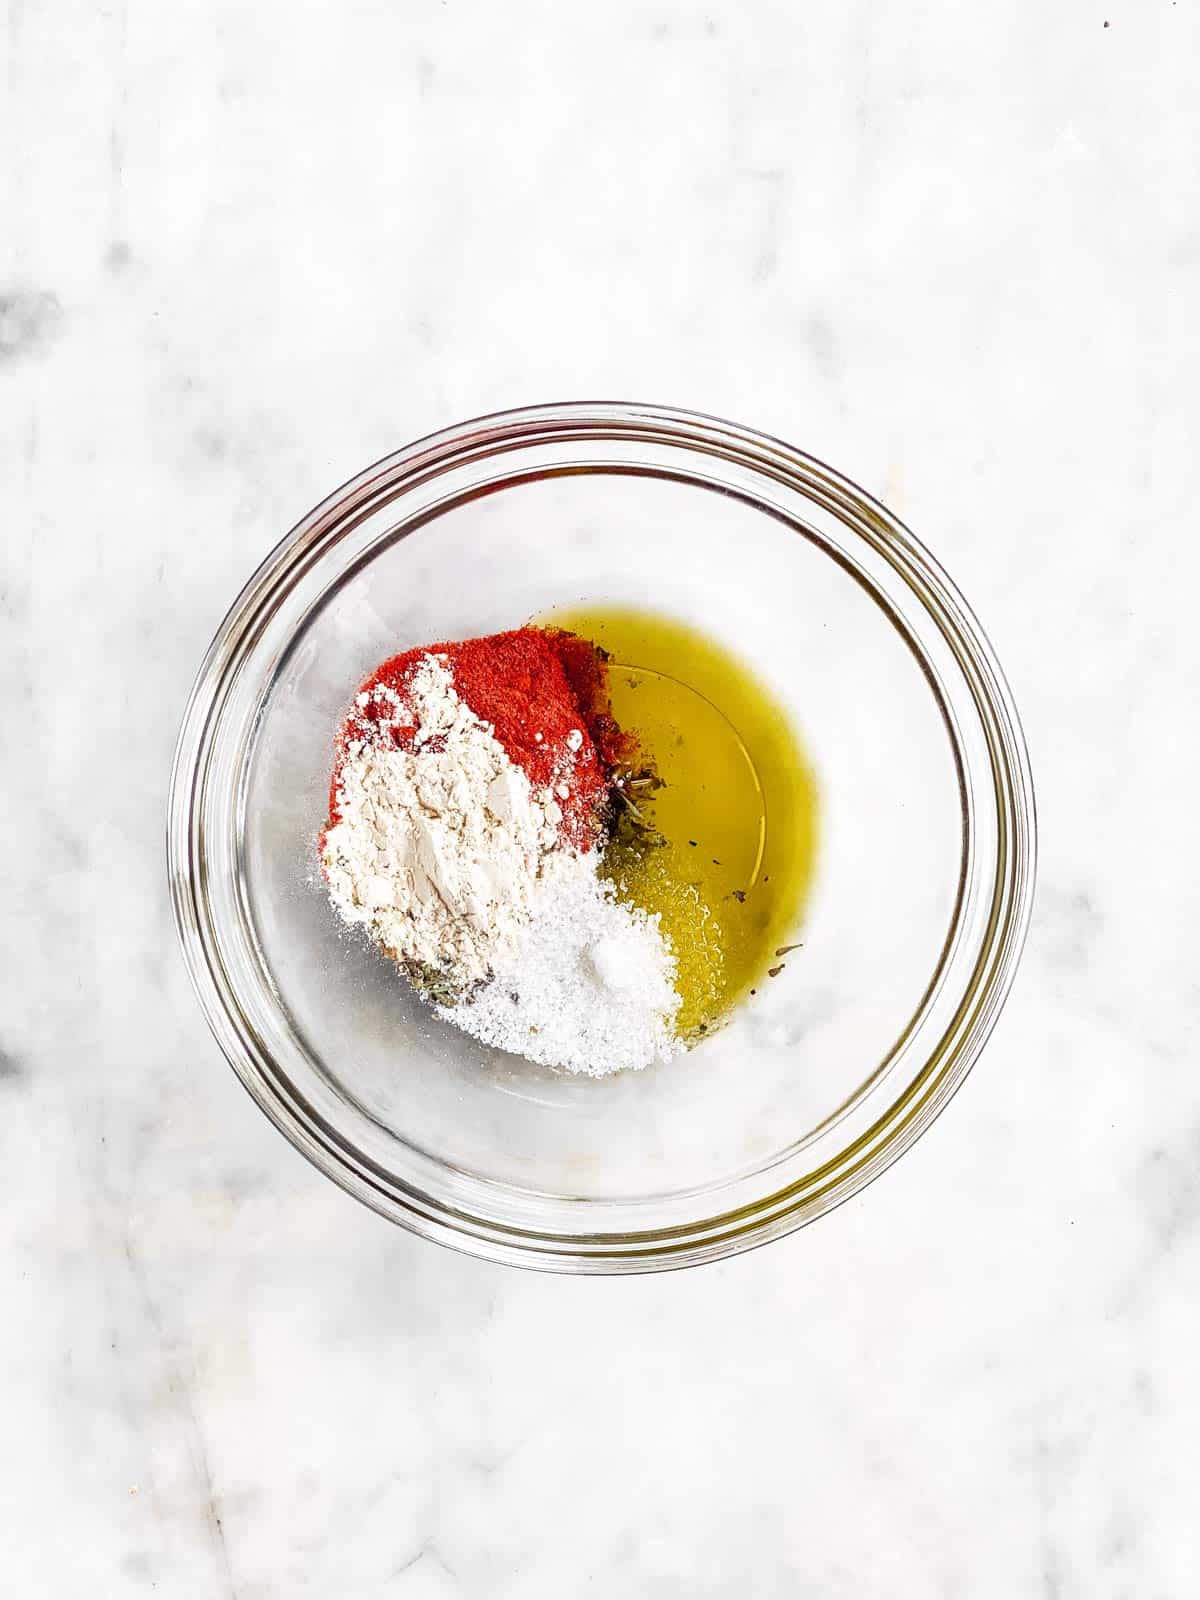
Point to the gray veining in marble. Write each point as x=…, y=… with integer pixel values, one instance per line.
x=249, y=246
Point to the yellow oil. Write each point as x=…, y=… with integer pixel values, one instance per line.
x=736, y=813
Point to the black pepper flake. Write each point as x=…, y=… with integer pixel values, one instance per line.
x=740, y=896
x=754, y=991
x=692, y=842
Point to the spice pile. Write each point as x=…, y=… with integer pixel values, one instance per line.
x=472, y=793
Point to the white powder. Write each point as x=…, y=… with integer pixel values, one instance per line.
x=437, y=848
x=589, y=985
x=454, y=866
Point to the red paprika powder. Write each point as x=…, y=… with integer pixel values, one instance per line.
x=544, y=695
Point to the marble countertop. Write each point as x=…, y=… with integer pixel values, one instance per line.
x=250, y=246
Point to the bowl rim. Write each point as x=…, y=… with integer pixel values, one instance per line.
x=932, y=1086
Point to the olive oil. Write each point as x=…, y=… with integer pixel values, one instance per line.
x=724, y=847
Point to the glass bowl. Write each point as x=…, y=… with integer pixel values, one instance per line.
x=910, y=936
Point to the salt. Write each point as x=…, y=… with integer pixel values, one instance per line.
x=590, y=982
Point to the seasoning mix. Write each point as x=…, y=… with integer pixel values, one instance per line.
x=471, y=799
x=585, y=889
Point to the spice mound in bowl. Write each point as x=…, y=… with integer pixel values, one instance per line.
x=522, y=857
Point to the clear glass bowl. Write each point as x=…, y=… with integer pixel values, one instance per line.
x=911, y=935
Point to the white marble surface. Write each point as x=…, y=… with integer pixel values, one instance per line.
x=247, y=247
